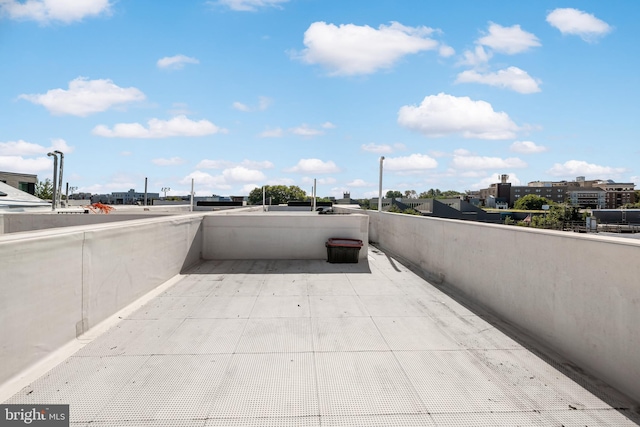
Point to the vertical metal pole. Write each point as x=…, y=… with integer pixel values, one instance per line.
x=59, y=203
x=145, y=191
x=380, y=186
x=314, y=194
x=67, y=196
x=55, y=182
x=191, y=203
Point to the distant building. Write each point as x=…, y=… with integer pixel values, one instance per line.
x=617, y=194
x=595, y=194
x=131, y=197
x=22, y=181
x=346, y=199
x=554, y=193
x=587, y=197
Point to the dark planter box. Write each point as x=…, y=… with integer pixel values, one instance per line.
x=343, y=250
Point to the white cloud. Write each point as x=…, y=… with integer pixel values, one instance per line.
x=248, y=5
x=478, y=57
x=263, y=104
x=24, y=148
x=574, y=168
x=360, y=183
x=577, y=22
x=446, y=51
x=512, y=78
x=314, y=166
x=442, y=114
x=176, y=62
x=61, y=145
x=351, y=49
x=226, y=180
x=19, y=164
x=214, y=164
x=494, y=178
x=377, y=148
x=242, y=174
x=226, y=164
x=469, y=162
x=247, y=188
x=281, y=181
x=264, y=164
x=320, y=181
x=305, y=130
x=21, y=148
x=177, y=126
x=527, y=147
x=179, y=108
x=241, y=107
x=272, y=133
x=44, y=11
x=85, y=97
x=411, y=163
x=328, y=125
x=203, y=179
x=508, y=40
x=169, y=162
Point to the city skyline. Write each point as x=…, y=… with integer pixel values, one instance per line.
x=236, y=94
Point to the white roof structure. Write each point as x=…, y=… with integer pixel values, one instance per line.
x=12, y=198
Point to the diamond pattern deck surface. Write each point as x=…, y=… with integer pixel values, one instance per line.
x=308, y=343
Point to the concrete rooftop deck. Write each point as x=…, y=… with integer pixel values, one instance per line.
x=308, y=343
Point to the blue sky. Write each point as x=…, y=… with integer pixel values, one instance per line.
x=236, y=94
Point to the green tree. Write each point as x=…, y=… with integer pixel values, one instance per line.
x=431, y=194
x=410, y=194
x=44, y=189
x=449, y=194
x=277, y=194
x=394, y=209
x=531, y=202
x=319, y=199
x=393, y=194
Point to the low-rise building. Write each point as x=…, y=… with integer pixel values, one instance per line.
x=22, y=181
x=595, y=194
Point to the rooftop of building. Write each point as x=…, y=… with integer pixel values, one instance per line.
x=303, y=342
x=309, y=343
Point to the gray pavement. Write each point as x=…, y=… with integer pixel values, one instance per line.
x=308, y=343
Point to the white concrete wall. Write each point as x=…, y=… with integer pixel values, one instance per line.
x=56, y=284
x=278, y=235
x=21, y=222
x=579, y=294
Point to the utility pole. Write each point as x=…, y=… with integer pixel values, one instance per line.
x=55, y=182
x=59, y=203
x=380, y=186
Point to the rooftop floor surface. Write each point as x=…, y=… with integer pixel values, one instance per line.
x=309, y=343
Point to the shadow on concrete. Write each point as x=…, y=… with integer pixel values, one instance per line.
x=298, y=266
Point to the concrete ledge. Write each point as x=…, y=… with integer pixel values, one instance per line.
x=576, y=293
x=279, y=235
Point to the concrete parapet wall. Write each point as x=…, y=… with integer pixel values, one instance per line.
x=277, y=235
x=21, y=222
x=56, y=284
x=578, y=294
